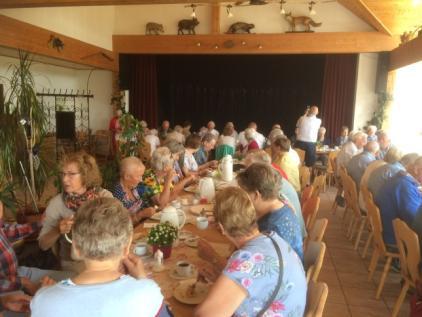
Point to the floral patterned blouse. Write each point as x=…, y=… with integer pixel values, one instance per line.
x=255, y=268
x=152, y=187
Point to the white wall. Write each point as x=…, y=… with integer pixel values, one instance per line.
x=366, y=97
x=47, y=76
x=92, y=25
x=267, y=18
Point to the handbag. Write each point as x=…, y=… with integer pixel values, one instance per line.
x=280, y=277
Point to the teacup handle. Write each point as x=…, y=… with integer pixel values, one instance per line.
x=67, y=238
x=184, y=219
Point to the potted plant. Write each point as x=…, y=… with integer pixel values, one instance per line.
x=131, y=135
x=161, y=237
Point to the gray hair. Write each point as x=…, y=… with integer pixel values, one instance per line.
x=371, y=128
x=128, y=164
x=274, y=134
x=358, y=135
x=409, y=159
x=208, y=137
x=161, y=158
x=257, y=156
x=178, y=128
x=249, y=133
x=393, y=155
x=174, y=146
x=102, y=229
x=372, y=147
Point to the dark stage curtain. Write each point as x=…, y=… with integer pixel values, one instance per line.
x=143, y=89
x=266, y=89
x=338, y=93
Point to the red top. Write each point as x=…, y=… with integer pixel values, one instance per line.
x=280, y=171
x=253, y=145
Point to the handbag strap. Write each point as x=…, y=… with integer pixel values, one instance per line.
x=280, y=277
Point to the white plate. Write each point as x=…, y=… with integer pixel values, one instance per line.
x=184, y=235
x=192, y=242
x=156, y=216
x=193, y=275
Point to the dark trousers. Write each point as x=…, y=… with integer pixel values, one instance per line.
x=310, y=151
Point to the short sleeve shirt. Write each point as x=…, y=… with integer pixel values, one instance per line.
x=132, y=205
x=255, y=268
x=190, y=163
x=152, y=187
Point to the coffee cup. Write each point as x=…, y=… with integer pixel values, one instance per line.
x=185, y=201
x=140, y=249
x=202, y=222
x=184, y=268
x=195, y=201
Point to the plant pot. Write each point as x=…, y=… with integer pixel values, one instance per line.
x=166, y=249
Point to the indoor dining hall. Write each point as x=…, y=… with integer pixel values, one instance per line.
x=254, y=158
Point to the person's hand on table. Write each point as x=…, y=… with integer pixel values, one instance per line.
x=65, y=225
x=213, y=164
x=16, y=302
x=134, y=266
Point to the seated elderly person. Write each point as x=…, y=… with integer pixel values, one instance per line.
x=113, y=282
x=287, y=192
x=187, y=125
x=321, y=142
x=351, y=148
x=164, y=130
x=190, y=166
x=262, y=183
x=395, y=164
x=400, y=198
x=258, y=137
x=81, y=180
x=252, y=144
x=344, y=136
x=371, y=131
x=177, y=149
x=202, y=156
x=226, y=144
x=246, y=292
x=280, y=155
x=211, y=129
x=130, y=189
x=385, y=143
x=158, y=180
x=176, y=135
x=230, y=125
x=15, y=279
x=151, y=136
x=358, y=163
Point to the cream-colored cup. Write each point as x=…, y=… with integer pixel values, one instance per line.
x=184, y=268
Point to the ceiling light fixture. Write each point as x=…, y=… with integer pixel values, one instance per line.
x=193, y=14
x=311, y=8
x=282, y=11
x=229, y=11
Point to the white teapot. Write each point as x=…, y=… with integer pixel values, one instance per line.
x=206, y=188
x=226, y=168
x=176, y=217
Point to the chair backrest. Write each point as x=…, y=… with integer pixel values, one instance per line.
x=313, y=259
x=306, y=194
x=102, y=141
x=374, y=220
x=351, y=194
x=317, y=231
x=319, y=183
x=408, y=244
x=315, y=299
x=332, y=164
x=301, y=154
x=310, y=211
x=368, y=171
x=305, y=176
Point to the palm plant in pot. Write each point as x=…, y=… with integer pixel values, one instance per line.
x=24, y=122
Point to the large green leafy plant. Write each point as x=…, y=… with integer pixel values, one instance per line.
x=379, y=115
x=131, y=136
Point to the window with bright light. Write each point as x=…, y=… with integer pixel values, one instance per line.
x=406, y=111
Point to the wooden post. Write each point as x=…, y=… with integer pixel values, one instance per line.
x=215, y=19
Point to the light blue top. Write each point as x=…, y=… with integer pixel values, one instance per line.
x=255, y=267
x=381, y=175
x=123, y=297
x=190, y=163
x=358, y=164
x=287, y=192
x=201, y=156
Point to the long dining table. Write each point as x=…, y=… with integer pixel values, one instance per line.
x=181, y=251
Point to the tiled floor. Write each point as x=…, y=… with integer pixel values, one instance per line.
x=345, y=272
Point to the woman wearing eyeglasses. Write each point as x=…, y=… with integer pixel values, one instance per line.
x=81, y=180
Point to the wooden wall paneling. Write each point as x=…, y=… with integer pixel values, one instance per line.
x=406, y=54
x=215, y=19
x=288, y=43
x=20, y=35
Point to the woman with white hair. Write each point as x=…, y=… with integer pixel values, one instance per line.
x=252, y=144
x=102, y=235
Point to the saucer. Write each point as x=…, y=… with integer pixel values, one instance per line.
x=185, y=235
x=196, y=210
x=192, y=242
x=176, y=276
x=182, y=290
x=156, y=216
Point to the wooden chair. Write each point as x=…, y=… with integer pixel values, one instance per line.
x=410, y=257
x=339, y=185
x=317, y=231
x=306, y=194
x=102, y=143
x=313, y=259
x=304, y=176
x=319, y=185
x=315, y=299
x=301, y=154
x=310, y=211
x=364, y=192
x=343, y=179
x=332, y=167
x=379, y=245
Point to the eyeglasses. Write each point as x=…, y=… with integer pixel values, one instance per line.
x=70, y=174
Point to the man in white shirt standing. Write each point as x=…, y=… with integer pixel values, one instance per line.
x=307, y=134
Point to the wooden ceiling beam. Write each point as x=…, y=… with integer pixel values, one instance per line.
x=285, y=43
x=8, y=4
x=359, y=8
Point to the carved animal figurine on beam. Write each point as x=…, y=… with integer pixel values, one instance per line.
x=154, y=28
x=240, y=27
x=304, y=20
x=188, y=25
